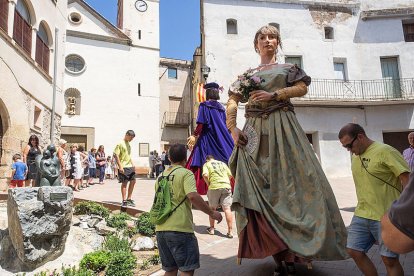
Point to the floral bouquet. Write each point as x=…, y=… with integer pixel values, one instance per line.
x=248, y=82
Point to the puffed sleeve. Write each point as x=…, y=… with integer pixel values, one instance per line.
x=297, y=74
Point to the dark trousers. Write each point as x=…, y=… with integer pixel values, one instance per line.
x=101, y=173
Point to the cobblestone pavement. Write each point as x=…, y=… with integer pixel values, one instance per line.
x=218, y=253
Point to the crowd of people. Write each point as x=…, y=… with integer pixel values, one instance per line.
x=284, y=204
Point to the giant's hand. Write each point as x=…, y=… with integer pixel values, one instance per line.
x=191, y=141
x=261, y=96
x=240, y=139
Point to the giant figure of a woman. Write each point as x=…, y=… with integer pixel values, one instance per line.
x=281, y=191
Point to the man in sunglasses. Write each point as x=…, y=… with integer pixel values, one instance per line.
x=380, y=173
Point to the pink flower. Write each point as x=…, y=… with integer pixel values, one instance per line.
x=256, y=79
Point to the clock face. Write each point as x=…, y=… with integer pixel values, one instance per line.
x=141, y=5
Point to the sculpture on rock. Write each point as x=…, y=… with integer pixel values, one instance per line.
x=48, y=166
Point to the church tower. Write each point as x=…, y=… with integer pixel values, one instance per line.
x=139, y=19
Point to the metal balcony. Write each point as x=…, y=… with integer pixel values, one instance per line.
x=360, y=90
x=176, y=119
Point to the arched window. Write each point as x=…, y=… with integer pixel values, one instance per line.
x=22, y=31
x=73, y=101
x=42, y=48
x=231, y=26
x=276, y=25
x=4, y=14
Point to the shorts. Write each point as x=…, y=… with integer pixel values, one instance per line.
x=16, y=183
x=363, y=233
x=128, y=175
x=178, y=250
x=219, y=197
x=92, y=172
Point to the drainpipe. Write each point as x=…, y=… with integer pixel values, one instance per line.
x=52, y=124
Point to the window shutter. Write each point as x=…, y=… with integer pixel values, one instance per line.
x=4, y=13
x=22, y=33
x=42, y=54
x=27, y=37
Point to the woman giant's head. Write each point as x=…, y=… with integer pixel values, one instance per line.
x=269, y=32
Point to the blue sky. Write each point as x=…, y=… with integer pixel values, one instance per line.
x=179, y=25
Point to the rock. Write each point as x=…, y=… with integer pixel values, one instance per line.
x=39, y=221
x=75, y=221
x=130, y=224
x=103, y=229
x=143, y=243
x=94, y=220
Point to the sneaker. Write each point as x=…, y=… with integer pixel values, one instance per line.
x=130, y=202
x=124, y=203
x=210, y=230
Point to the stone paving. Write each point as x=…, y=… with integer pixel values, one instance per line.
x=218, y=253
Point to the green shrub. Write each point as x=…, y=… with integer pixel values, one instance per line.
x=145, y=226
x=95, y=261
x=91, y=208
x=122, y=263
x=130, y=232
x=67, y=271
x=145, y=265
x=113, y=244
x=155, y=259
x=118, y=221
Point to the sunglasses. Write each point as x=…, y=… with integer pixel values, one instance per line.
x=349, y=146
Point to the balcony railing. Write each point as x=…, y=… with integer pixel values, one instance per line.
x=361, y=90
x=176, y=119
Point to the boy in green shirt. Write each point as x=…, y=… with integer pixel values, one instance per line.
x=126, y=169
x=176, y=241
x=217, y=176
x=379, y=172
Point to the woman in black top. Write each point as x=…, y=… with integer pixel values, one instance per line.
x=29, y=156
x=100, y=163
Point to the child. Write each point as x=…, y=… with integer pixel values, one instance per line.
x=108, y=169
x=19, y=172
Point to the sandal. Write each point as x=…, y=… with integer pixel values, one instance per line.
x=229, y=235
x=210, y=230
x=290, y=268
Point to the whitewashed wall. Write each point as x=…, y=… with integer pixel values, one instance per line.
x=362, y=43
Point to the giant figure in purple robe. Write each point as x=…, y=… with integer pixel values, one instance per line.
x=210, y=137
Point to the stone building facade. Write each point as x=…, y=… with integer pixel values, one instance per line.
x=175, y=101
x=358, y=53
x=27, y=47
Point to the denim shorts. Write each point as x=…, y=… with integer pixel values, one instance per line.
x=178, y=250
x=363, y=233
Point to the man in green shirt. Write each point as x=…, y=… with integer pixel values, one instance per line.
x=176, y=241
x=126, y=168
x=217, y=176
x=379, y=173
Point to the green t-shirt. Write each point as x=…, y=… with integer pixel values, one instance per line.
x=218, y=174
x=374, y=196
x=123, y=151
x=182, y=183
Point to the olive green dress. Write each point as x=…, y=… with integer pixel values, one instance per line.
x=283, y=201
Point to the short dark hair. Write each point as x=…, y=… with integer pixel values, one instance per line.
x=352, y=130
x=212, y=94
x=209, y=157
x=177, y=153
x=81, y=148
x=130, y=133
x=16, y=156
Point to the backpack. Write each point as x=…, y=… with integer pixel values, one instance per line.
x=161, y=208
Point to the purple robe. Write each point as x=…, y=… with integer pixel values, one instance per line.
x=214, y=139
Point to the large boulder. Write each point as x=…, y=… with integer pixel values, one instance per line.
x=39, y=222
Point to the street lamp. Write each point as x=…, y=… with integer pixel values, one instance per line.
x=205, y=70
